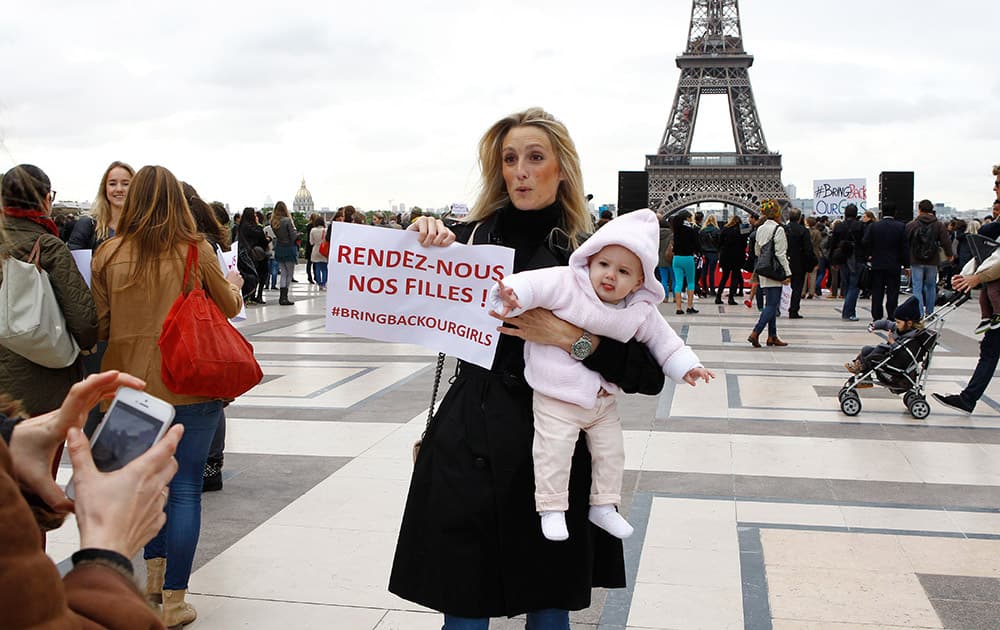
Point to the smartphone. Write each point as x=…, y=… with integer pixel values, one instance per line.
x=133, y=423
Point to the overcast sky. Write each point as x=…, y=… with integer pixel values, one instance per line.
x=386, y=100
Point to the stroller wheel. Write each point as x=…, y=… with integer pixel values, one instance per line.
x=919, y=408
x=908, y=398
x=840, y=394
x=850, y=403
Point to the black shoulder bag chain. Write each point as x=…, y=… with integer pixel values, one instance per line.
x=438, y=369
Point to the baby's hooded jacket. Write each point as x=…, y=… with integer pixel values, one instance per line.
x=568, y=293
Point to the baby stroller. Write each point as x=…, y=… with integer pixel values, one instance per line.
x=903, y=370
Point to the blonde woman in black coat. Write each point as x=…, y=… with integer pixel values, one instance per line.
x=470, y=544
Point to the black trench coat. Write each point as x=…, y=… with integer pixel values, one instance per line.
x=470, y=543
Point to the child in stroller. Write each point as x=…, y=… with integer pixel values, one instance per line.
x=900, y=365
x=906, y=324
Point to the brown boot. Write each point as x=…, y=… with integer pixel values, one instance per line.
x=176, y=612
x=754, y=339
x=774, y=341
x=155, y=568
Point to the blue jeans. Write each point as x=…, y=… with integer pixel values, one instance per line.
x=769, y=316
x=320, y=271
x=667, y=279
x=179, y=537
x=923, y=279
x=272, y=265
x=849, y=281
x=547, y=619
x=989, y=354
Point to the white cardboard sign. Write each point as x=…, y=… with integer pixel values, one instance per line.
x=227, y=260
x=384, y=285
x=83, y=259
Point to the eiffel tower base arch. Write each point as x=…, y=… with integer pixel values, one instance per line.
x=671, y=190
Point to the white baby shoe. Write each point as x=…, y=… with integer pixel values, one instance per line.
x=554, y=525
x=605, y=517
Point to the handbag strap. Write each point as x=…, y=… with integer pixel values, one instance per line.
x=34, y=258
x=191, y=269
x=439, y=368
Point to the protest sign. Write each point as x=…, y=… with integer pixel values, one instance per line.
x=831, y=196
x=83, y=258
x=227, y=260
x=384, y=285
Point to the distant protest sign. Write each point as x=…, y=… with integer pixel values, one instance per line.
x=831, y=196
x=384, y=285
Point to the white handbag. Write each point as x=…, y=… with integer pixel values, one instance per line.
x=31, y=321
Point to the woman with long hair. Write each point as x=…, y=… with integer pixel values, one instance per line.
x=249, y=236
x=732, y=255
x=470, y=545
x=137, y=276
x=206, y=220
x=286, y=252
x=90, y=231
x=309, y=247
x=708, y=239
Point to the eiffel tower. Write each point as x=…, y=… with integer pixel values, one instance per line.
x=714, y=63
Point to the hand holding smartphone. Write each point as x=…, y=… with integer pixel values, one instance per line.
x=133, y=423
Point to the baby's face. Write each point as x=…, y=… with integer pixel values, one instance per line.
x=615, y=272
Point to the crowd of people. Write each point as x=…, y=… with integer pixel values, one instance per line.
x=513, y=503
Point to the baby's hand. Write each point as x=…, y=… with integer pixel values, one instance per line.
x=691, y=378
x=508, y=297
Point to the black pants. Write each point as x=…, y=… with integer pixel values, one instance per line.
x=262, y=274
x=798, y=283
x=989, y=354
x=733, y=276
x=885, y=285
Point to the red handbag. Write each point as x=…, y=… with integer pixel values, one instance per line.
x=202, y=354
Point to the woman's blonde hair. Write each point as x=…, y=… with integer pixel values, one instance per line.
x=101, y=210
x=493, y=190
x=156, y=218
x=711, y=220
x=280, y=211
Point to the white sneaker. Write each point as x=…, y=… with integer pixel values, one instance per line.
x=554, y=525
x=605, y=517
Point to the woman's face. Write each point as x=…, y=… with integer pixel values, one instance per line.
x=117, y=187
x=530, y=168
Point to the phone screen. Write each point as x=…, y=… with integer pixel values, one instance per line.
x=127, y=433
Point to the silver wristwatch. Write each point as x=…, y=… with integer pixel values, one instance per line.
x=582, y=347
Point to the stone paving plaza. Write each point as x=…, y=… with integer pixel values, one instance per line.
x=757, y=504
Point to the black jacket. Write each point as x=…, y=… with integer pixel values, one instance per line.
x=849, y=230
x=800, y=252
x=470, y=543
x=885, y=241
x=686, y=241
x=732, y=247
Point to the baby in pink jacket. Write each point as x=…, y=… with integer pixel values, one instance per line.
x=607, y=289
